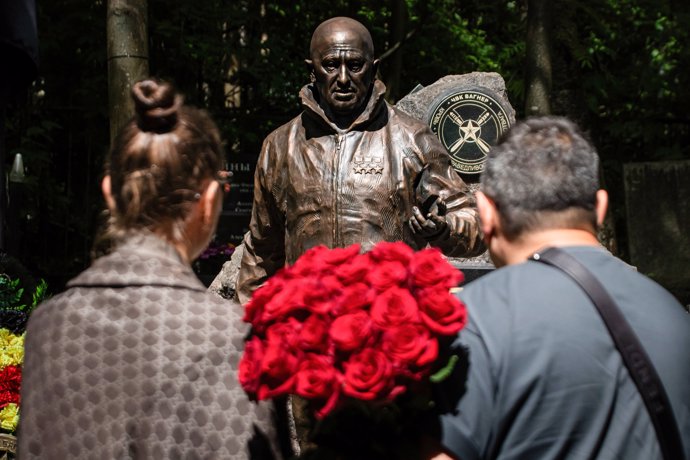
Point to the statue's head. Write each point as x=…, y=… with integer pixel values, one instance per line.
x=342, y=66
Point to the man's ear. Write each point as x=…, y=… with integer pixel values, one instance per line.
x=488, y=215
x=601, y=206
x=107, y=193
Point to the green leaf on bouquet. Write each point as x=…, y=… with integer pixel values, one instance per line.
x=445, y=371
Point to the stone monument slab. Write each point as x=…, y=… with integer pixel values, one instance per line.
x=658, y=220
x=237, y=204
x=468, y=112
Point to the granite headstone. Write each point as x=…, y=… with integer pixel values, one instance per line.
x=469, y=113
x=658, y=220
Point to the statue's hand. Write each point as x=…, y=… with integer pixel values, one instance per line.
x=431, y=225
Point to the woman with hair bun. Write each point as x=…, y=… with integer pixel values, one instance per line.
x=135, y=359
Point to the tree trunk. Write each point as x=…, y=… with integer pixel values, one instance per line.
x=128, y=57
x=538, y=68
x=397, y=35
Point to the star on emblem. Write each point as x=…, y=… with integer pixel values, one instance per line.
x=469, y=130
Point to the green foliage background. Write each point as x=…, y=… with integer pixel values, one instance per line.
x=620, y=70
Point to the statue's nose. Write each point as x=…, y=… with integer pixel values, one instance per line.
x=343, y=75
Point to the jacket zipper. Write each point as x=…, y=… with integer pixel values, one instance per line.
x=336, y=195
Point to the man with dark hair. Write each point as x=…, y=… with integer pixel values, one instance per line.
x=545, y=380
x=351, y=169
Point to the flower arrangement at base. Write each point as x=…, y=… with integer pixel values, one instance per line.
x=354, y=334
x=16, y=305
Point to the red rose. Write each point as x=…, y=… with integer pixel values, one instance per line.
x=387, y=251
x=287, y=300
x=430, y=269
x=281, y=359
x=352, y=298
x=278, y=371
x=312, y=294
x=319, y=294
x=350, y=331
x=321, y=260
x=394, y=307
x=254, y=309
x=355, y=270
x=410, y=344
x=310, y=263
x=316, y=377
x=388, y=274
x=285, y=333
x=314, y=334
x=441, y=311
x=250, y=366
x=339, y=256
x=368, y=376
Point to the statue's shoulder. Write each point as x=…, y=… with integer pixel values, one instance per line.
x=277, y=145
x=406, y=122
x=285, y=129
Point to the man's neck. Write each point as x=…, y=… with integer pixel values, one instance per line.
x=342, y=121
x=523, y=247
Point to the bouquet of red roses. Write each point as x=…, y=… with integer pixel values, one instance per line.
x=339, y=324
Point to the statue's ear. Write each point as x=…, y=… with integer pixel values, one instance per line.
x=374, y=71
x=375, y=65
x=310, y=69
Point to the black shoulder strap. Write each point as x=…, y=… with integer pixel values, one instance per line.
x=634, y=356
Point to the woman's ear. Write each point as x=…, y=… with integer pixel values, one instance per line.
x=201, y=223
x=107, y=193
x=209, y=204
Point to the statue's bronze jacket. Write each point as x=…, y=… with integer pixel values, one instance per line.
x=318, y=184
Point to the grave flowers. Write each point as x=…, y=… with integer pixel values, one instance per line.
x=360, y=337
x=16, y=304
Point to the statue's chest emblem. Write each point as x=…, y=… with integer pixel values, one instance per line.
x=367, y=165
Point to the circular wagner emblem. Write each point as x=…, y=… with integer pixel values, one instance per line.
x=468, y=122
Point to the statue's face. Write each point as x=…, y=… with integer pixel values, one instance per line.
x=343, y=68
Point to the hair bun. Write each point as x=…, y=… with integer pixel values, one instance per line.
x=156, y=105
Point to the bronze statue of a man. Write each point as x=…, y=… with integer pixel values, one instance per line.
x=352, y=169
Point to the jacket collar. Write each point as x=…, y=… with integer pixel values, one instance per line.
x=375, y=103
x=141, y=259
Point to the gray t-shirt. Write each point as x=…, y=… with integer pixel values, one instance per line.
x=545, y=381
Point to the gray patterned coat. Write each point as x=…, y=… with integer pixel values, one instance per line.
x=137, y=360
